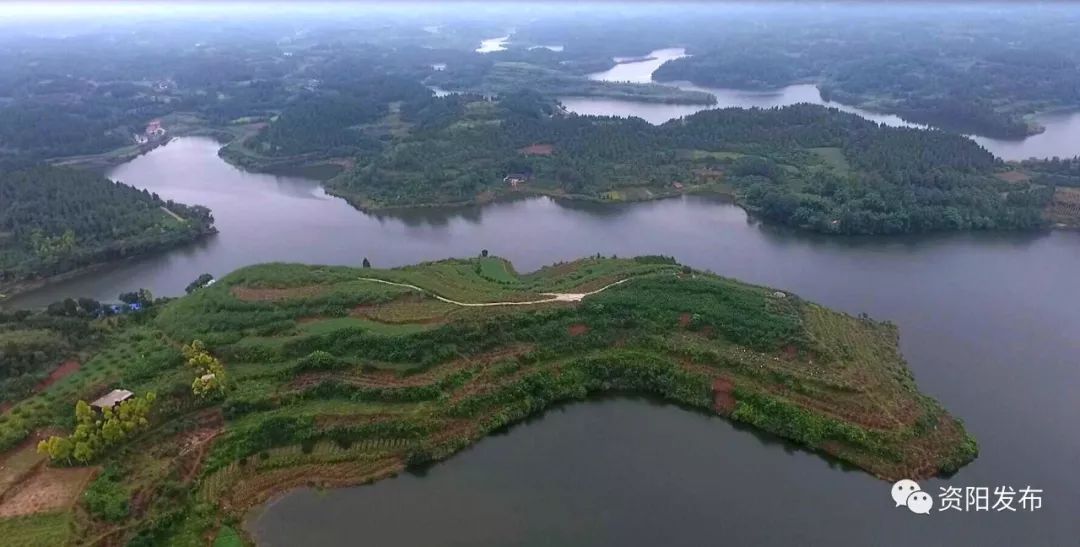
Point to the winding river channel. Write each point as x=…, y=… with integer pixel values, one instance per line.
x=1061, y=137
x=988, y=322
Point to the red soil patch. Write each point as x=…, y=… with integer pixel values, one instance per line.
x=65, y=369
x=723, y=399
x=252, y=294
x=577, y=329
x=48, y=489
x=538, y=150
x=684, y=319
x=1013, y=176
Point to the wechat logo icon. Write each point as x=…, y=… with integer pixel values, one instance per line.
x=906, y=492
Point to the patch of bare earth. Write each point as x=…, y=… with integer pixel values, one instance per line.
x=1014, y=177
x=577, y=329
x=254, y=294
x=47, y=489
x=196, y=443
x=723, y=398
x=65, y=369
x=19, y=463
x=538, y=150
x=684, y=319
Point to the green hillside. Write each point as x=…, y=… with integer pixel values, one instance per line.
x=319, y=375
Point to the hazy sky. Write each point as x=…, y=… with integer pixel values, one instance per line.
x=67, y=9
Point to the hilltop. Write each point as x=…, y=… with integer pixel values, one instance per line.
x=282, y=375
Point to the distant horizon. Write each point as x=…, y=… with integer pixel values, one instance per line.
x=63, y=9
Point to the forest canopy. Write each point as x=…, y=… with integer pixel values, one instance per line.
x=806, y=166
x=53, y=220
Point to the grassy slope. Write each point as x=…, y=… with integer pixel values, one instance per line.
x=409, y=379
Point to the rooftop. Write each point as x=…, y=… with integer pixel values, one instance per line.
x=112, y=398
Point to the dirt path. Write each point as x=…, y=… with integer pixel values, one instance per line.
x=552, y=296
x=172, y=214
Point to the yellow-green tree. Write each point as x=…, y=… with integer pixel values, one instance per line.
x=209, y=372
x=94, y=432
x=59, y=449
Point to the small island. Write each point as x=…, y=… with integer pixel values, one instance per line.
x=284, y=375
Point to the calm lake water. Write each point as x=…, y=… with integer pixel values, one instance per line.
x=989, y=323
x=1061, y=138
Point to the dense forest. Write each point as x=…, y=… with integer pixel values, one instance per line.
x=331, y=123
x=805, y=166
x=54, y=220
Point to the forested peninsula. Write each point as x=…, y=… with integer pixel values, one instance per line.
x=282, y=375
x=56, y=220
x=805, y=166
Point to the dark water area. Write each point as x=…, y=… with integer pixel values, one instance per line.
x=1061, y=137
x=989, y=322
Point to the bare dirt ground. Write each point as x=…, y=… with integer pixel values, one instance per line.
x=723, y=399
x=47, y=489
x=684, y=319
x=65, y=369
x=538, y=150
x=1013, y=176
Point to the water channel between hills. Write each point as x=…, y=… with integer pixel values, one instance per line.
x=1061, y=137
x=988, y=323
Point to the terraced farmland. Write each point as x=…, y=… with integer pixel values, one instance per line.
x=331, y=378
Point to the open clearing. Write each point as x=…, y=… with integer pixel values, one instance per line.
x=47, y=489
